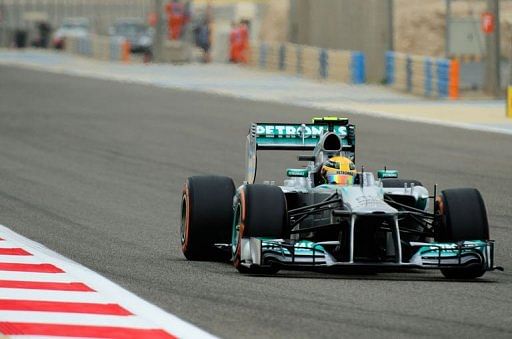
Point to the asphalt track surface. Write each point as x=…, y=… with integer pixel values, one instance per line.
x=94, y=170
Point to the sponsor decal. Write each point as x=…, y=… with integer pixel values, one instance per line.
x=387, y=174
x=303, y=247
x=297, y=131
x=296, y=172
x=368, y=201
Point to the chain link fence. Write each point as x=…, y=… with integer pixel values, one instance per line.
x=25, y=15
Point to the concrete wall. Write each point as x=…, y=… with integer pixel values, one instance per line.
x=345, y=24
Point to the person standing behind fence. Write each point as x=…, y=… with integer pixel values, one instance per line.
x=244, y=42
x=175, y=19
x=233, y=43
x=239, y=42
x=203, y=38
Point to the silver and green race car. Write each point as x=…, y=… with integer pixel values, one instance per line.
x=375, y=223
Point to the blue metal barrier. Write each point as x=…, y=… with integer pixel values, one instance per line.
x=443, y=76
x=428, y=76
x=113, y=49
x=323, y=68
x=408, y=67
x=390, y=68
x=263, y=55
x=282, y=57
x=358, y=68
x=423, y=75
x=84, y=46
x=299, y=69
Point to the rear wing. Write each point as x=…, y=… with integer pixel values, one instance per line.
x=294, y=137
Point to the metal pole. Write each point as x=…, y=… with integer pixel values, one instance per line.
x=448, y=19
x=158, y=42
x=83, y=11
x=66, y=7
x=492, y=66
x=510, y=64
x=291, y=21
x=391, y=24
x=2, y=24
x=51, y=14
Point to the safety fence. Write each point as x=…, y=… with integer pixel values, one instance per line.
x=310, y=62
x=431, y=77
x=118, y=49
x=99, y=47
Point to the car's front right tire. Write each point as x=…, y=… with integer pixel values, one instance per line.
x=464, y=217
x=206, y=217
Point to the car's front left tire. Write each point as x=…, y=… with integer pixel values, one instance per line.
x=260, y=211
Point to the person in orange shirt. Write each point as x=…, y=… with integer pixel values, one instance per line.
x=233, y=43
x=175, y=18
x=244, y=42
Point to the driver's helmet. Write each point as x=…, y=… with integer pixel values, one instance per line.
x=338, y=170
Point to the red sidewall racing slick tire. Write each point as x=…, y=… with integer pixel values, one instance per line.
x=260, y=212
x=464, y=217
x=206, y=217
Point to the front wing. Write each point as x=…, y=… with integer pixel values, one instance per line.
x=306, y=254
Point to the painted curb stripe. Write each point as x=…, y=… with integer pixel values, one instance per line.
x=37, y=268
x=73, y=301
x=59, y=306
x=55, y=286
x=13, y=251
x=54, y=295
x=38, y=277
x=18, y=328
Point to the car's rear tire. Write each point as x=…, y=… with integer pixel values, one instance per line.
x=464, y=217
x=392, y=182
x=261, y=212
x=206, y=217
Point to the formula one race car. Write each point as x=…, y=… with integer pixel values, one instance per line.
x=329, y=215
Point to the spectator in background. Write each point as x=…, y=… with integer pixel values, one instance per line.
x=233, y=42
x=244, y=41
x=202, y=35
x=239, y=42
x=175, y=19
x=43, y=38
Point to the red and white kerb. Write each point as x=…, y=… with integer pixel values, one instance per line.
x=45, y=295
